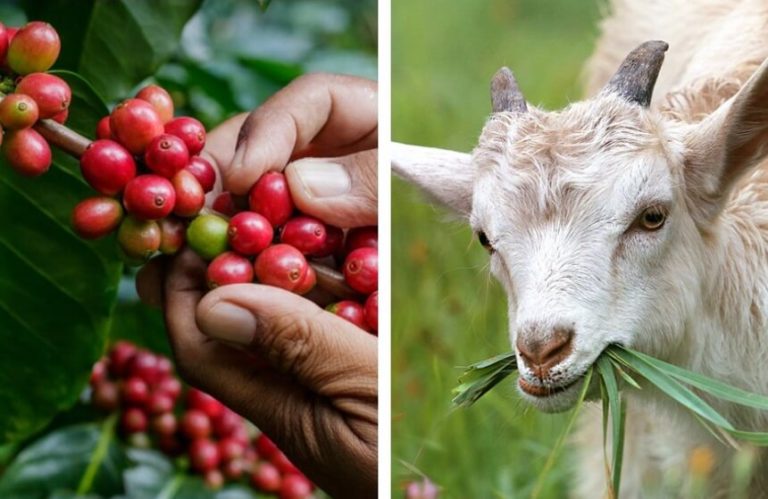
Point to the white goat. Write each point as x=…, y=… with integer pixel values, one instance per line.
x=632, y=220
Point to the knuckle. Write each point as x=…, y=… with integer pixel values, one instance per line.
x=288, y=344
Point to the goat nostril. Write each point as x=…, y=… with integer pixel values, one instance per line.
x=543, y=354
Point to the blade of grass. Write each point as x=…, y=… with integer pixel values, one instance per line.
x=617, y=407
x=604, y=401
x=555, y=452
x=481, y=377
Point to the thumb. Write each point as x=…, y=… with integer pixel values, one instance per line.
x=339, y=191
x=318, y=349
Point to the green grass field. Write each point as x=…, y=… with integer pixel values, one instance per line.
x=447, y=311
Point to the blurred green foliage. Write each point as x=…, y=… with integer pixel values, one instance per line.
x=447, y=310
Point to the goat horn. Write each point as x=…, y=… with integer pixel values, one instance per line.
x=636, y=77
x=505, y=94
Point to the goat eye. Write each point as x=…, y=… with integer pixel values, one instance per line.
x=652, y=218
x=484, y=241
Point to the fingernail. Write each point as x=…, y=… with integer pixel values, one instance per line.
x=322, y=179
x=228, y=322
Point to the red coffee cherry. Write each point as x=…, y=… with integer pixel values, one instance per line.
x=3, y=44
x=34, y=48
x=231, y=449
x=295, y=486
x=362, y=237
x=284, y=464
x=213, y=479
x=266, y=477
x=170, y=386
x=165, y=424
x=133, y=421
x=203, y=455
x=249, y=233
x=306, y=234
x=225, y=204
x=265, y=446
x=197, y=399
x=96, y=217
x=307, y=283
x=164, y=366
x=10, y=32
x=281, y=265
x=227, y=424
x=334, y=242
x=105, y=396
x=159, y=403
x=149, y=197
x=233, y=469
x=166, y=155
x=372, y=311
x=135, y=391
x=135, y=124
x=119, y=357
x=229, y=268
x=98, y=372
x=351, y=311
x=203, y=172
x=138, y=239
x=145, y=365
x=107, y=167
x=172, y=235
x=195, y=424
x=190, y=197
x=191, y=131
x=160, y=99
x=27, y=152
x=18, y=111
x=51, y=93
x=270, y=197
x=103, y=131
x=361, y=270
x=61, y=116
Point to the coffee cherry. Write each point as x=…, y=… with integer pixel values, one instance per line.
x=18, y=111
x=307, y=283
x=213, y=479
x=103, y=131
x=164, y=424
x=306, y=234
x=4, y=42
x=149, y=197
x=160, y=100
x=61, y=116
x=372, y=311
x=27, y=152
x=119, y=357
x=207, y=236
x=265, y=446
x=230, y=449
x=107, y=166
x=203, y=455
x=203, y=172
x=159, y=403
x=361, y=270
x=225, y=204
x=197, y=399
x=135, y=391
x=227, y=423
x=172, y=235
x=34, y=48
x=138, y=239
x=334, y=242
x=133, y=420
x=195, y=424
x=170, y=386
x=229, y=268
x=135, y=124
x=191, y=131
x=105, y=396
x=270, y=197
x=96, y=217
x=51, y=93
x=362, y=237
x=98, y=372
x=249, y=233
x=266, y=478
x=284, y=464
x=234, y=469
x=351, y=311
x=10, y=32
x=145, y=365
x=190, y=197
x=295, y=486
x=281, y=265
x=166, y=155
x=164, y=367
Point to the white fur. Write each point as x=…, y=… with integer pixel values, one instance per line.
x=556, y=194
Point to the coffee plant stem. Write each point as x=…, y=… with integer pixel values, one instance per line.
x=333, y=281
x=63, y=138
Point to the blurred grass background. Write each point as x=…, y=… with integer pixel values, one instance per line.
x=447, y=311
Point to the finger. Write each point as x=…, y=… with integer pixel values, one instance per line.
x=149, y=282
x=319, y=114
x=339, y=191
x=319, y=349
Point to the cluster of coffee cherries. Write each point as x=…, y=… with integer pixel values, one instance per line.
x=270, y=242
x=29, y=94
x=146, y=170
x=156, y=410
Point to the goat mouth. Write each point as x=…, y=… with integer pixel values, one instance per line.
x=540, y=391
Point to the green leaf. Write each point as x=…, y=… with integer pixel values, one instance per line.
x=617, y=408
x=142, y=325
x=264, y=4
x=115, y=44
x=481, y=377
x=57, y=291
x=85, y=456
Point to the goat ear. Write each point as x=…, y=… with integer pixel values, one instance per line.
x=728, y=143
x=446, y=176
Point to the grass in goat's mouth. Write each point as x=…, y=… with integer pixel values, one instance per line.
x=616, y=365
